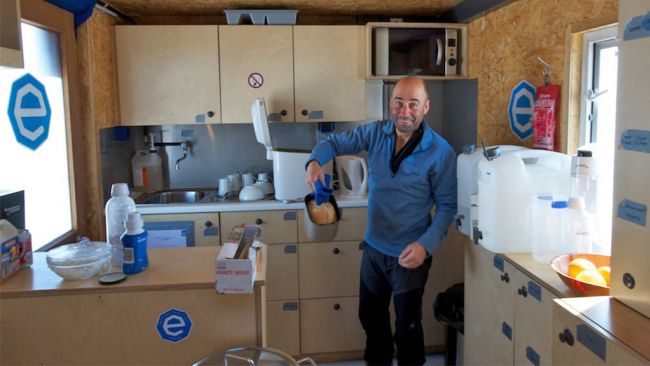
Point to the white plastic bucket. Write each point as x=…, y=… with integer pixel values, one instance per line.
x=505, y=186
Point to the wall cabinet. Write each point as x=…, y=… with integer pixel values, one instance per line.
x=506, y=312
x=206, y=229
x=11, y=53
x=168, y=74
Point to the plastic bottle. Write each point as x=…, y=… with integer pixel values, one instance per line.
x=147, y=171
x=134, y=242
x=117, y=209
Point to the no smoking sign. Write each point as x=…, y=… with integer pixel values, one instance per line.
x=255, y=80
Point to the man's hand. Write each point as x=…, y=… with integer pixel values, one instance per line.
x=413, y=255
x=314, y=173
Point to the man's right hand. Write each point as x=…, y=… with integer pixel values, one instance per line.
x=314, y=173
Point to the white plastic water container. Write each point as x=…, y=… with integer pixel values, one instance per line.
x=117, y=210
x=146, y=167
x=467, y=180
x=505, y=186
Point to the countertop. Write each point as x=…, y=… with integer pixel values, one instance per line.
x=225, y=206
x=169, y=269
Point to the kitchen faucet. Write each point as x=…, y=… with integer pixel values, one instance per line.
x=185, y=145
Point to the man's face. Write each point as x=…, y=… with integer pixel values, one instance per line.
x=408, y=106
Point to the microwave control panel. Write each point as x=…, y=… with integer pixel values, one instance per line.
x=451, y=53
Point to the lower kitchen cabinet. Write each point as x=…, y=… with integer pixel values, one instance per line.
x=282, y=273
x=200, y=229
x=329, y=269
x=277, y=226
x=283, y=325
x=506, y=313
x=330, y=325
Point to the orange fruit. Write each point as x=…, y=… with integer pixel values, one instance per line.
x=578, y=265
x=592, y=276
x=605, y=272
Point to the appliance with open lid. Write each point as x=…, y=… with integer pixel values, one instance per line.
x=288, y=164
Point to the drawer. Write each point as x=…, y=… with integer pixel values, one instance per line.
x=330, y=325
x=282, y=272
x=329, y=269
x=283, y=326
x=206, y=227
x=352, y=225
x=277, y=226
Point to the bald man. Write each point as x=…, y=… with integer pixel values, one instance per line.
x=411, y=169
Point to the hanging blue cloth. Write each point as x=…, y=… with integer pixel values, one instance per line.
x=82, y=9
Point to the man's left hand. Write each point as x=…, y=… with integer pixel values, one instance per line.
x=413, y=255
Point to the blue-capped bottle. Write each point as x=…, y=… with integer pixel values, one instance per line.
x=134, y=241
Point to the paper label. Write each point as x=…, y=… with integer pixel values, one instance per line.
x=633, y=212
x=636, y=140
x=167, y=238
x=592, y=340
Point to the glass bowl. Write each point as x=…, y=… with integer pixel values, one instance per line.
x=80, y=261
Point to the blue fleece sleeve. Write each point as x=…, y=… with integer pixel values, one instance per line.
x=349, y=142
x=443, y=186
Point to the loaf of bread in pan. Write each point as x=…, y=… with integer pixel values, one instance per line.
x=322, y=214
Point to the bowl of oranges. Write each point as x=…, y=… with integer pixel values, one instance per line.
x=585, y=274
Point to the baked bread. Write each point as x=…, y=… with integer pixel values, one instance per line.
x=322, y=214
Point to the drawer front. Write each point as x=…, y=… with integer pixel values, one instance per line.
x=277, y=226
x=282, y=272
x=352, y=225
x=283, y=326
x=329, y=269
x=206, y=228
x=330, y=325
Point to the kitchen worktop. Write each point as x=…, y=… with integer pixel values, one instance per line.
x=169, y=268
x=234, y=206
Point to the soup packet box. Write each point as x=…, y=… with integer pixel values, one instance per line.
x=237, y=260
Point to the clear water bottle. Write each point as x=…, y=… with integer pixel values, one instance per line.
x=117, y=209
x=134, y=242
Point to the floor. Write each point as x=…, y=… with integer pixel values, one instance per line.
x=432, y=360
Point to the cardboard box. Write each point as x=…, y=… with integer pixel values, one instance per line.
x=236, y=263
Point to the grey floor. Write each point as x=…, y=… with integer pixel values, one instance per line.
x=432, y=360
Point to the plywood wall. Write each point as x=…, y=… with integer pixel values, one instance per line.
x=95, y=44
x=503, y=50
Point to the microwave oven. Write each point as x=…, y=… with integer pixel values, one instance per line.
x=415, y=51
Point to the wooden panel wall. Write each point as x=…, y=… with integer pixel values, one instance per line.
x=503, y=50
x=95, y=54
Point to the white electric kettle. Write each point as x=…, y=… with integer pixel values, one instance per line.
x=353, y=176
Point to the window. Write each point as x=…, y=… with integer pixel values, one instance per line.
x=598, y=121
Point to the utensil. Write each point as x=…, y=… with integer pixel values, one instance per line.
x=224, y=187
x=248, y=179
x=266, y=187
x=235, y=181
x=251, y=193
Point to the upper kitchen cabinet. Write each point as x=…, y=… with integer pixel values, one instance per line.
x=168, y=74
x=256, y=62
x=329, y=73
x=11, y=53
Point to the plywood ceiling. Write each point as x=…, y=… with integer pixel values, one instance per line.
x=148, y=8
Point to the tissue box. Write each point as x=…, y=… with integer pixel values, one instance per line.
x=237, y=261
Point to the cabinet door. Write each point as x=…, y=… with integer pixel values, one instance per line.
x=330, y=325
x=11, y=53
x=282, y=272
x=168, y=74
x=582, y=344
x=206, y=228
x=352, y=225
x=329, y=269
x=329, y=73
x=283, y=326
x=489, y=308
x=278, y=227
x=533, y=331
x=256, y=62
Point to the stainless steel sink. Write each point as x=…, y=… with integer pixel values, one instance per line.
x=171, y=197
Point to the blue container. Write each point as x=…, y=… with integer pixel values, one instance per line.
x=134, y=241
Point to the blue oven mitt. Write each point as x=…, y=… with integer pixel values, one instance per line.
x=323, y=192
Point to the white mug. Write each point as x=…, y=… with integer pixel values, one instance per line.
x=235, y=181
x=248, y=179
x=263, y=177
x=224, y=187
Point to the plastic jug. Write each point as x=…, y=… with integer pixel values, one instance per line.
x=147, y=171
x=353, y=175
x=505, y=187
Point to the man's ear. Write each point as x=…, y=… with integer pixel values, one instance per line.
x=425, y=107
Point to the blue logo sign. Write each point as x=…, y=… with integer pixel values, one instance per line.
x=29, y=111
x=520, y=109
x=174, y=325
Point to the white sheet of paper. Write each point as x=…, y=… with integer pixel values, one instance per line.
x=166, y=239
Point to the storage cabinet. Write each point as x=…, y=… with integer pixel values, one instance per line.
x=352, y=225
x=278, y=227
x=330, y=325
x=329, y=269
x=168, y=74
x=205, y=226
x=11, y=53
x=256, y=62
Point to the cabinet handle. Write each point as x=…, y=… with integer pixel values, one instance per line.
x=336, y=306
x=336, y=251
x=208, y=223
x=505, y=277
x=210, y=114
x=566, y=337
x=522, y=291
x=258, y=221
x=283, y=112
x=304, y=112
